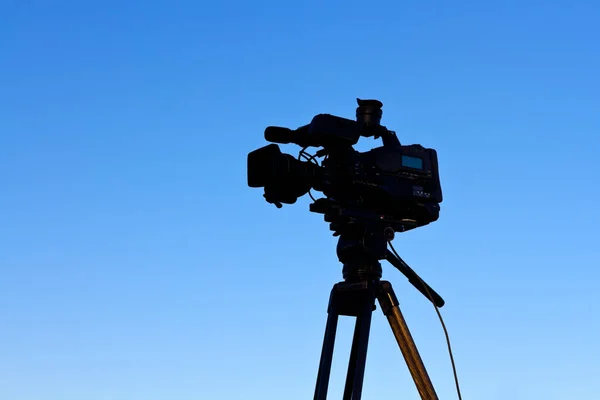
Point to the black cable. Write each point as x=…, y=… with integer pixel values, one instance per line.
x=437, y=310
x=309, y=158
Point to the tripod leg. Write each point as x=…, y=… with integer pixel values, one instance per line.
x=327, y=351
x=358, y=354
x=390, y=307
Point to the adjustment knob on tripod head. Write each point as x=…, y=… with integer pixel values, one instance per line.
x=389, y=233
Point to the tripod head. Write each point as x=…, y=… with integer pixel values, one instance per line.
x=363, y=242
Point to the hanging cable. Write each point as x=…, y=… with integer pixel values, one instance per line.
x=437, y=310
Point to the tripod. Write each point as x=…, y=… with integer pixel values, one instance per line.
x=355, y=296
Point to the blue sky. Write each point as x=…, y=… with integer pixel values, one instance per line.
x=137, y=264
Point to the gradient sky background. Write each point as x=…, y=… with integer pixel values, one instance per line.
x=137, y=264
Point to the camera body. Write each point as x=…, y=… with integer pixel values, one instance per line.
x=394, y=183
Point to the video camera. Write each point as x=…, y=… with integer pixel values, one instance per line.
x=393, y=184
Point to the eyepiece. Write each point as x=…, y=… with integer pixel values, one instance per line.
x=369, y=113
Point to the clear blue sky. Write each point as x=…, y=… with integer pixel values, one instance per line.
x=137, y=264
